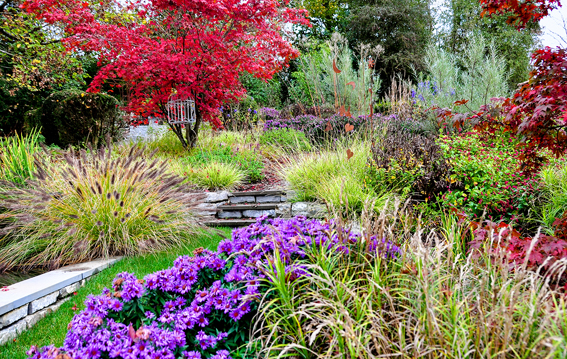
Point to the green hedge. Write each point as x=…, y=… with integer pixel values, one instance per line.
x=73, y=117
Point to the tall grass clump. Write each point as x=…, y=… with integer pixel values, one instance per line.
x=477, y=76
x=92, y=206
x=17, y=157
x=217, y=175
x=434, y=301
x=329, y=175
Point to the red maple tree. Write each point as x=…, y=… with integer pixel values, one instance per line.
x=538, y=108
x=520, y=12
x=194, y=49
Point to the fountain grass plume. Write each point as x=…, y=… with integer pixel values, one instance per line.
x=93, y=205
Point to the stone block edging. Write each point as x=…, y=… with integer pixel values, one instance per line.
x=24, y=303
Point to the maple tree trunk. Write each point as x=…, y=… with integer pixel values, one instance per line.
x=192, y=133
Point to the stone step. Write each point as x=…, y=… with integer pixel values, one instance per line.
x=258, y=193
x=229, y=222
x=244, y=207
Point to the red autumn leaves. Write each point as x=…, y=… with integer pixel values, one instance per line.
x=197, y=48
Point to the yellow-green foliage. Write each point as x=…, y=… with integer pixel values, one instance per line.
x=329, y=175
x=16, y=157
x=554, y=179
x=216, y=175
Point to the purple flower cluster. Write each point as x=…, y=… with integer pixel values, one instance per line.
x=270, y=113
x=196, y=308
x=316, y=128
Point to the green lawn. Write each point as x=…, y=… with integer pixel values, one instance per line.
x=53, y=328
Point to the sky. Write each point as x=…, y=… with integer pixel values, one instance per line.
x=552, y=25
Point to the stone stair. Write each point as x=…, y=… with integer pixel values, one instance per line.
x=225, y=209
x=242, y=208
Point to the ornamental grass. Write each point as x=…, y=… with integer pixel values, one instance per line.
x=93, y=205
x=433, y=301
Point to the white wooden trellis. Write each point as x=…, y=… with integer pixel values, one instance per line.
x=180, y=111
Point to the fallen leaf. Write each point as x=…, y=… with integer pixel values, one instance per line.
x=349, y=127
x=349, y=154
x=328, y=127
x=352, y=84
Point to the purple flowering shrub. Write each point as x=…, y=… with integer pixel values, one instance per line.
x=314, y=127
x=202, y=307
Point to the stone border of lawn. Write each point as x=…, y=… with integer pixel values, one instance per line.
x=24, y=303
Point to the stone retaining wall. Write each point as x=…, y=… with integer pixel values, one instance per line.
x=23, y=304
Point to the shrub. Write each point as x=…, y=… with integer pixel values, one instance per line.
x=240, y=115
x=477, y=76
x=93, y=206
x=501, y=239
x=203, y=306
x=72, y=117
x=287, y=138
x=215, y=175
x=16, y=157
x=410, y=163
x=488, y=169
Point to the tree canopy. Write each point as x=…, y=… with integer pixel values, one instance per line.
x=194, y=48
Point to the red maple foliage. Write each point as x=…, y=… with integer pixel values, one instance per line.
x=195, y=48
x=520, y=12
x=501, y=236
x=537, y=111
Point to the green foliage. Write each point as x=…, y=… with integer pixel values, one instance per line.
x=266, y=94
x=72, y=117
x=240, y=115
x=166, y=144
x=15, y=103
x=487, y=171
x=286, y=138
x=31, y=52
x=216, y=175
x=326, y=17
x=477, y=75
x=93, y=206
x=317, y=84
x=403, y=28
x=17, y=157
x=409, y=163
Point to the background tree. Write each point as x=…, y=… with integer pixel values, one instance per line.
x=403, y=28
x=326, y=17
x=193, y=49
x=461, y=21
